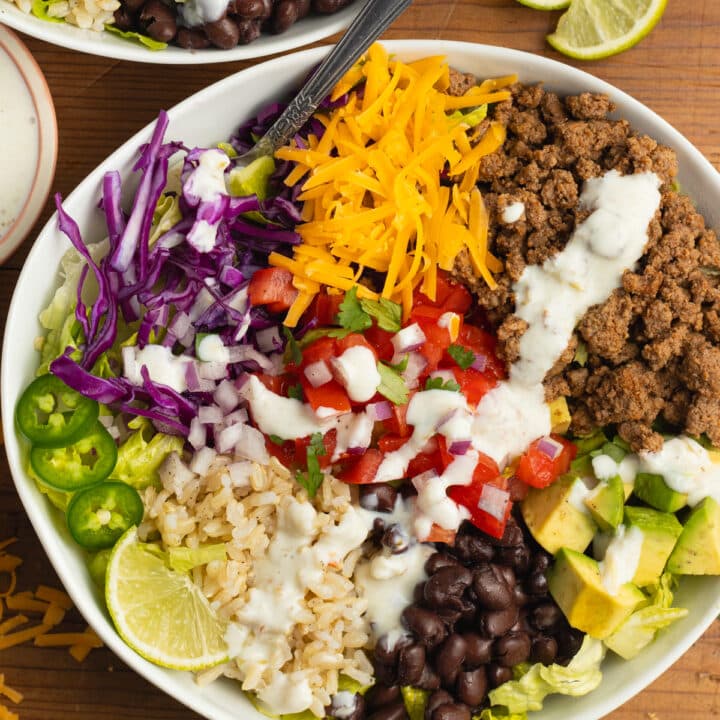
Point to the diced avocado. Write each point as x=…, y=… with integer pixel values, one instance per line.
x=555, y=517
x=606, y=502
x=697, y=550
x=655, y=492
x=660, y=533
x=628, y=489
x=560, y=415
x=575, y=584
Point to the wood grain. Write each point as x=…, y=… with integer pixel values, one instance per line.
x=101, y=102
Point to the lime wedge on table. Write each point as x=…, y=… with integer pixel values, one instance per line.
x=545, y=4
x=594, y=29
x=160, y=613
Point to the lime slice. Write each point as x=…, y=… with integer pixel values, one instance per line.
x=594, y=29
x=545, y=4
x=158, y=612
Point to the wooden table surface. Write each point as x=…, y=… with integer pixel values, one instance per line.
x=101, y=102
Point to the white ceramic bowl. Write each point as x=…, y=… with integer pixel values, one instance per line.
x=105, y=44
x=242, y=95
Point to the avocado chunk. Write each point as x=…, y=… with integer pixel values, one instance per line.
x=655, y=492
x=606, y=502
x=660, y=533
x=697, y=551
x=575, y=584
x=556, y=517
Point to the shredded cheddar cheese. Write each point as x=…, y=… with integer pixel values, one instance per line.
x=376, y=193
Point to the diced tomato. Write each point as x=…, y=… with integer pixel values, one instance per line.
x=330, y=395
x=325, y=307
x=445, y=455
x=353, y=340
x=517, y=488
x=272, y=287
x=473, y=384
x=397, y=424
x=389, y=442
x=274, y=383
x=323, y=348
x=483, y=343
x=302, y=444
x=440, y=534
x=437, y=341
x=426, y=314
x=380, y=340
x=491, y=494
x=285, y=452
x=538, y=470
x=450, y=296
x=363, y=470
x=424, y=461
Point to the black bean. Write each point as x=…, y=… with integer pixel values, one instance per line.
x=132, y=5
x=547, y=616
x=569, y=642
x=449, y=659
x=491, y=587
x=436, y=699
x=396, y=539
x=439, y=560
x=540, y=562
x=508, y=574
x=385, y=674
x=517, y=557
x=327, y=7
x=471, y=686
x=497, y=675
x=451, y=711
x=522, y=624
x=379, y=497
x=222, y=33
x=393, y=711
x=248, y=8
x=191, y=39
x=478, y=650
x=285, y=14
x=512, y=536
x=512, y=649
x=544, y=650
x=444, y=588
x=379, y=695
x=520, y=597
x=123, y=18
x=248, y=30
x=411, y=661
x=495, y=623
x=342, y=711
x=426, y=625
x=536, y=583
x=470, y=548
x=429, y=680
x=386, y=653
x=158, y=21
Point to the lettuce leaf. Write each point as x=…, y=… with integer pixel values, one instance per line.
x=167, y=215
x=499, y=714
x=184, y=559
x=39, y=9
x=140, y=456
x=145, y=40
x=415, y=701
x=581, y=676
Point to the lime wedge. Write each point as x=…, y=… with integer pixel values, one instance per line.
x=160, y=613
x=594, y=29
x=545, y=4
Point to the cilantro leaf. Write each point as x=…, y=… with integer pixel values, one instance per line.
x=292, y=346
x=392, y=386
x=352, y=316
x=312, y=479
x=402, y=365
x=277, y=439
x=316, y=333
x=296, y=392
x=437, y=383
x=462, y=356
x=387, y=313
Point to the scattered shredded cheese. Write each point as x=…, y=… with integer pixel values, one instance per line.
x=373, y=197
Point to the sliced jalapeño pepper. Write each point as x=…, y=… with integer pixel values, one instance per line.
x=50, y=414
x=97, y=516
x=85, y=462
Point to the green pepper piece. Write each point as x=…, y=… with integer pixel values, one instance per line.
x=85, y=462
x=50, y=414
x=97, y=516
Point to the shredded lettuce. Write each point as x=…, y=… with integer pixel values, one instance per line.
x=415, y=701
x=581, y=676
x=145, y=40
x=473, y=117
x=499, y=714
x=40, y=9
x=253, y=179
x=167, y=215
x=140, y=456
x=184, y=559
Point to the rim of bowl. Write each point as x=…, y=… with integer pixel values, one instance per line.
x=47, y=141
x=200, y=699
x=105, y=44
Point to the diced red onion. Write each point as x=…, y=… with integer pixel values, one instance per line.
x=210, y=414
x=268, y=339
x=228, y=437
x=444, y=375
x=318, y=373
x=196, y=383
x=240, y=473
x=356, y=450
x=247, y=353
x=188, y=338
x=238, y=416
x=239, y=299
x=106, y=420
x=494, y=501
x=226, y=396
x=415, y=365
x=202, y=460
x=380, y=410
x=212, y=370
x=252, y=445
x=447, y=417
x=408, y=339
x=114, y=432
x=198, y=433
x=459, y=447
x=550, y=447
x=203, y=301
x=242, y=328
x=231, y=275
x=480, y=362
x=180, y=324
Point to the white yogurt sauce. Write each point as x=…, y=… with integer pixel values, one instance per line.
x=606, y=468
x=513, y=212
x=622, y=557
x=19, y=142
x=357, y=373
x=212, y=349
x=206, y=183
x=163, y=367
x=198, y=12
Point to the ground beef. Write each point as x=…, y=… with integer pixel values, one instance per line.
x=653, y=355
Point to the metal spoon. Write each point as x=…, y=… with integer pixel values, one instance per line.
x=367, y=26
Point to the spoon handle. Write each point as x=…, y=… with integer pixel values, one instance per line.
x=367, y=26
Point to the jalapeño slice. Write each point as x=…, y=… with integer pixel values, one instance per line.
x=50, y=414
x=97, y=516
x=85, y=462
